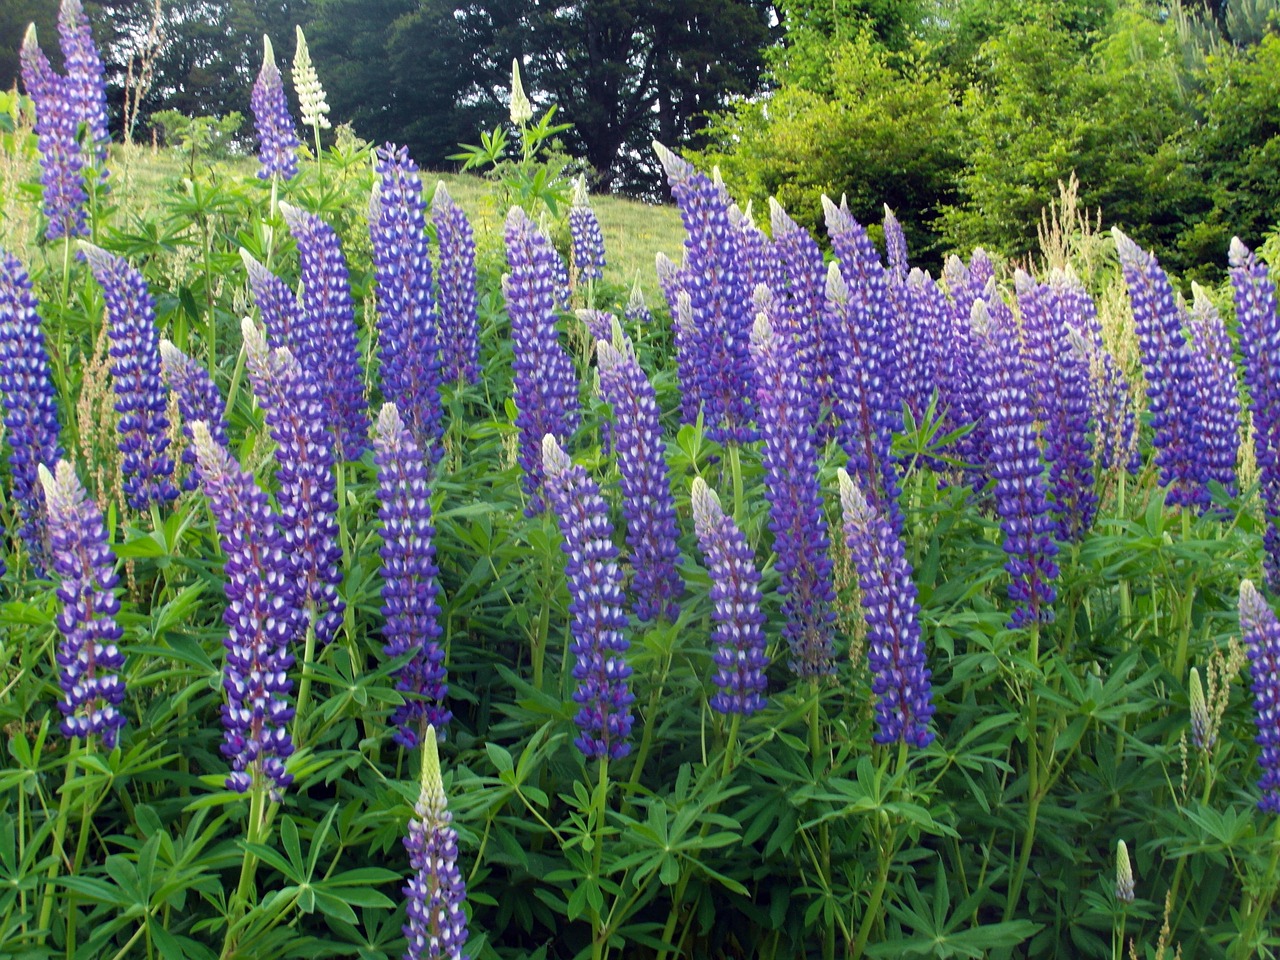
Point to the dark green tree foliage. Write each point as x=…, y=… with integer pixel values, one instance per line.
x=15, y=15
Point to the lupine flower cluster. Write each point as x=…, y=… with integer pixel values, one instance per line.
x=85, y=87
x=546, y=386
x=718, y=360
x=961, y=385
x=135, y=376
x=1261, y=632
x=260, y=622
x=927, y=316
x=89, y=658
x=290, y=400
x=1259, y=321
x=408, y=333
x=584, y=232
x=30, y=410
x=279, y=307
x=456, y=274
x=800, y=299
x=740, y=656
x=597, y=619
x=277, y=142
x=895, y=650
x=198, y=399
x=1214, y=369
x=409, y=575
x=306, y=84
x=436, y=892
x=647, y=502
x=795, y=502
x=637, y=311
x=1021, y=492
x=760, y=266
x=332, y=350
x=1168, y=366
x=895, y=247
x=57, y=124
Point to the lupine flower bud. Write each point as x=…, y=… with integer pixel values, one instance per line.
x=1201, y=730
x=740, y=656
x=521, y=108
x=57, y=124
x=795, y=502
x=135, y=375
x=647, y=502
x=85, y=87
x=637, y=311
x=1124, y=873
x=435, y=894
x=408, y=332
x=277, y=142
x=598, y=620
x=456, y=246
x=89, y=658
x=1261, y=632
x=332, y=345
x=306, y=84
x=30, y=407
x=260, y=622
x=198, y=399
x=409, y=575
x=584, y=231
x=895, y=651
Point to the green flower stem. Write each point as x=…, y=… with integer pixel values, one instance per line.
x=304, y=687
x=239, y=906
x=1260, y=908
x=599, y=936
x=887, y=851
x=1034, y=788
x=735, y=472
x=59, y=835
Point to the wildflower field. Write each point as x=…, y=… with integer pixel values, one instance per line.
x=378, y=586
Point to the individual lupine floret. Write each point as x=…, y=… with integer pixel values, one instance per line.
x=277, y=142
x=895, y=650
x=598, y=620
x=89, y=657
x=796, y=514
x=647, y=502
x=1214, y=369
x=546, y=387
x=198, y=399
x=456, y=273
x=290, y=399
x=714, y=279
x=1167, y=365
x=279, y=307
x=306, y=84
x=56, y=128
x=30, y=407
x=332, y=345
x=135, y=375
x=740, y=656
x=584, y=232
x=408, y=331
x=85, y=86
x=1020, y=487
x=436, y=893
x=1262, y=643
x=1258, y=319
x=637, y=311
x=409, y=574
x=260, y=622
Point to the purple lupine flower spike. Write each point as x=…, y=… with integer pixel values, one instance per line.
x=546, y=386
x=332, y=351
x=459, y=328
x=895, y=245
x=290, y=399
x=1021, y=491
x=409, y=575
x=795, y=503
x=637, y=311
x=740, y=656
x=647, y=502
x=135, y=375
x=198, y=399
x=800, y=296
x=1259, y=322
x=1262, y=642
x=584, y=232
x=435, y=894
x=895, y=651
x=30, y=407
x=1167, y=365
x=84, y=84
x=89, y=657
x=57, y=125
x=408, y=330
x=757, y=260
x=598, y=621
x=1214, y=368
x=260, y=622
x=281, y=312
x=277, y=142
x=599, y=323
